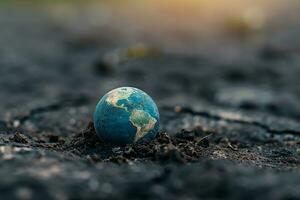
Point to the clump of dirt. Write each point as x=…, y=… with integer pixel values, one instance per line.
x=183, y=147
x=19, y=138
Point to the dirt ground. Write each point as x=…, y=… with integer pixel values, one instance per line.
x=230, y=128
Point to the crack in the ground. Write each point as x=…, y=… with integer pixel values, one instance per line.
x=239, y=121
x=71, y=102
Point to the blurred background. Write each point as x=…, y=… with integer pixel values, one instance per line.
x=191, y=26
x=224, y=74
x=239, y=54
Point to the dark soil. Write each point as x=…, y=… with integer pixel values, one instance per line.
x=230, y=128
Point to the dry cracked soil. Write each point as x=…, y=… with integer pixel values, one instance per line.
x=229, y=130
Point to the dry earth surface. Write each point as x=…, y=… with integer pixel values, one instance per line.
x=230, y=128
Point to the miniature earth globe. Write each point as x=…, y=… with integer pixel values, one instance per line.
x=126, y=115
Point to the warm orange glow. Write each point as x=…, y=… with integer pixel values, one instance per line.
x=174, y=23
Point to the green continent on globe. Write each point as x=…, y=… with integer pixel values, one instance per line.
x=115, y=95
x=142, y=120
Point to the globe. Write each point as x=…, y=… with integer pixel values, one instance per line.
x=126, y=115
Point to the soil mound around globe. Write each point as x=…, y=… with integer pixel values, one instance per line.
x=182, y=148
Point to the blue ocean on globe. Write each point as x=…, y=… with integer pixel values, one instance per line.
x=126, y=115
